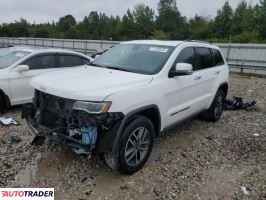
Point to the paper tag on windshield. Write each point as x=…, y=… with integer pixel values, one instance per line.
x=162, y=50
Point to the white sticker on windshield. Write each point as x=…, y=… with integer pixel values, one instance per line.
x=162, y=50
x=20, y=55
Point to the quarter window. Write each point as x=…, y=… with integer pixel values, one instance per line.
x=187, y=55
x=204, y=58
x=41, y=62
x=217, y=57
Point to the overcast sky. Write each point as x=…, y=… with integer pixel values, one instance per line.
x=48, y=10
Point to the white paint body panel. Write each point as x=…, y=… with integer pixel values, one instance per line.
x=177, y=98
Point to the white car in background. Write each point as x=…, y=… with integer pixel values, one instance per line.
x=19, y=64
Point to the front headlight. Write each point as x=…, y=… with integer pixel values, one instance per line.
x=92, y=107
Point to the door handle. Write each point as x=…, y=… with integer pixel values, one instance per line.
x=217, y=72
x=197, y=78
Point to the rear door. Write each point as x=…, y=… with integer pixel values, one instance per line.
x=20, y=87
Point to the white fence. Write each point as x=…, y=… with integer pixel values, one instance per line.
x=249, y=58
x=84, y=46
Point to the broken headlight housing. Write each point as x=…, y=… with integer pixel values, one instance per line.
x=92, y=107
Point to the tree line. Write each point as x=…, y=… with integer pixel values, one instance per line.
x=245, y=24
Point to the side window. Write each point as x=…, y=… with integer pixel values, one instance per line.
x=187, y=55
x=41, y=62
x=85, y=61
x=204, y=58
x=217, y=57
x=71, y=61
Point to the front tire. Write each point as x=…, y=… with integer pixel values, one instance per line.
x=213, y=114
x=134, y=147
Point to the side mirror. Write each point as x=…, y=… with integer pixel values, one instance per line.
x=22, y=68
x=182, y=69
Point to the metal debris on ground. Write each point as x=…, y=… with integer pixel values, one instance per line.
x=244, y=190
x=14, y=137
x=237, y=103
x=7, y=121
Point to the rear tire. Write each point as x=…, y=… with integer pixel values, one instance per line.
x=134, y=147
x=213, y=114
x=2, y=103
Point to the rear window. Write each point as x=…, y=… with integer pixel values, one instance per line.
x=217, y=57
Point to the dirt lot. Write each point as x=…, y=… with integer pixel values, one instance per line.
x=195, y=160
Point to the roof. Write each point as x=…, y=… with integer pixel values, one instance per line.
x=155, y=42
x=43, y=50
x=169, y=42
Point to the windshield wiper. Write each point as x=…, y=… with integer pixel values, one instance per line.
x=94, y=64
x=108, y=67
x=117, y=68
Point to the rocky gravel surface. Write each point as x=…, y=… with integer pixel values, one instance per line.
x=195, y=160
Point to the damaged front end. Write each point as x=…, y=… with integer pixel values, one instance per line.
x=65, y=122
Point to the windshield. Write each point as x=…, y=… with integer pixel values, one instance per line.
x=4, y=51
x=8, y=57
x=138, y=58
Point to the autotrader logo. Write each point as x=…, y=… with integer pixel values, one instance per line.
x=26, y=193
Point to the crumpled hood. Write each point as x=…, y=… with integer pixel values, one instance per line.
x=88, y=83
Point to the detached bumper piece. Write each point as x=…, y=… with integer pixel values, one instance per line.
x=53, y=117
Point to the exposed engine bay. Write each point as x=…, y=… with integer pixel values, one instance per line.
x=54, y=117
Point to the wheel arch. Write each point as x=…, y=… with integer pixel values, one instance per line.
x=6, y=99
x=224, y=88
x=152, y=112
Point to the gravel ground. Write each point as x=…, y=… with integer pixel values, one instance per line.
x=195, y=160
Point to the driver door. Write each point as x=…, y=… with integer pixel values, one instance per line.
x=19, y=82
x=185, y=95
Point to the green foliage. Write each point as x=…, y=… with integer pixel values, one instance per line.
x=41, y=32
x=223, y=21
x=260, y=18
x=143, y=17
x=169, y=19
x=159, y=35
x=199, y=27
x=246, y=37
x=245, y=24
x=243, y=19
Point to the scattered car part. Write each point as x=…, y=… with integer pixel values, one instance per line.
x=237, y=103
x=8, y=121
x=14, y=137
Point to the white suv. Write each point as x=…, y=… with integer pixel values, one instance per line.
x=19, y=64
x=131, y=94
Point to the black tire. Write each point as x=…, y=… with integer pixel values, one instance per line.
x=139, y=148
x=213, y=114
x=2, y=103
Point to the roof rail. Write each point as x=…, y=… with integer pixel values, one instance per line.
x=197, y=41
